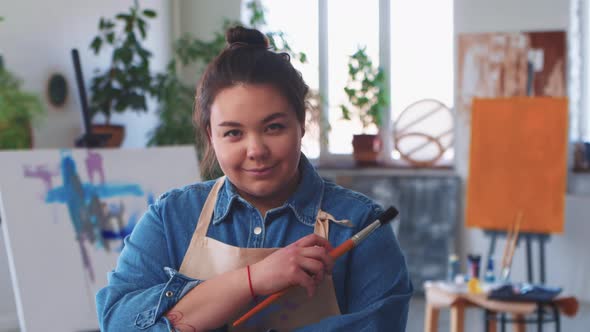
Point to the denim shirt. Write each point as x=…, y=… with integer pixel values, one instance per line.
x=371, y=281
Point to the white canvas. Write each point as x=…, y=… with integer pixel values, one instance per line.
x=56, y=268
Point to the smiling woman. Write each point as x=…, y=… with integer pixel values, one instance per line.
x=267, y=225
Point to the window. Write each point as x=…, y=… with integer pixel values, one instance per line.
x=418, y=49
x=350, y=25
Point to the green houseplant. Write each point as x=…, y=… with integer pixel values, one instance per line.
x=18, y=111
x=366, y=95
x=127, y=82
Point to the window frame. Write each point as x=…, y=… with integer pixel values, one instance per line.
x=326, y=157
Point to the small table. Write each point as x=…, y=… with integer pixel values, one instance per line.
x=438, y=297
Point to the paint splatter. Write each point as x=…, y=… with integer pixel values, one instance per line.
x=94, y=165
x=42, y=173
x=93, y=220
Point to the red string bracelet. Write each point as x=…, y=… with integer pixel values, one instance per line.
x=250, y=283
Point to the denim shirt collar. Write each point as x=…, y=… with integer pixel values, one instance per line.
x=305, y=201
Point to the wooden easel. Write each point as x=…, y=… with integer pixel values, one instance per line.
x=529, y=238
x=542, y=315
x=517, y=161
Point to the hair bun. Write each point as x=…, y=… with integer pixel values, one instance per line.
x=248, y=37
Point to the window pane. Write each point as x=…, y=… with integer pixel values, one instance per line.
x=422, y=56
x=299, y=22
x=351, y=24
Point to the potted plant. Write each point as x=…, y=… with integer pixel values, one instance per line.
x=18, y=110
x=366, y=95
x=127, y=82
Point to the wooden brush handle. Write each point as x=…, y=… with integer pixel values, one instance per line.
x=342, y=249
x=335, y=253
x=260, y=306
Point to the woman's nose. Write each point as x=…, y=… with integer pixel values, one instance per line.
x=257, y=148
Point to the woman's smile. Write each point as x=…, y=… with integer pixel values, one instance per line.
x=258, y=171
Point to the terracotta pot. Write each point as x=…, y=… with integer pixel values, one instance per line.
x=117, y=133
x=366, y=149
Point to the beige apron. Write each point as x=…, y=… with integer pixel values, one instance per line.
x=207, y=257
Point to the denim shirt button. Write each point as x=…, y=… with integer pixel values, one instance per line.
x=257, y=230
x=169, y=293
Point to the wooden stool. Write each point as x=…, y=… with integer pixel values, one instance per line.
x=438, y=297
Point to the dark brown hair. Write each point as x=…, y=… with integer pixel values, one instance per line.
x=246, y=59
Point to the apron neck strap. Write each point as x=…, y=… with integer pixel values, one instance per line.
x=208, y=208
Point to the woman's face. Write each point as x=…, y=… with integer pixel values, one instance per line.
x=257, y=140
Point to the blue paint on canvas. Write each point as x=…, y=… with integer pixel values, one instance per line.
x=93, y=220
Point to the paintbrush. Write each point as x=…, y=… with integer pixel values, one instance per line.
x=511, y=247
x=346, y=246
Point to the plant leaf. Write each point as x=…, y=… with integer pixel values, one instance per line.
x=95, y=45
x=110, y=37
x=149, y=13
x=345, y=112
x=302, y=57
x=123, y=17
x=141, y=26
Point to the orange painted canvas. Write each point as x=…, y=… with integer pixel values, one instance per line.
x=518, y=163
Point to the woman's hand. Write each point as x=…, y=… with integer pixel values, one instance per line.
x=303, y=263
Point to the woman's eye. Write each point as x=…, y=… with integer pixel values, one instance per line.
x=273, y=127
x=232, y=133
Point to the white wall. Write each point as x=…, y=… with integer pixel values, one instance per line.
x=567, y=266
x=202, y=19
x=36, y=38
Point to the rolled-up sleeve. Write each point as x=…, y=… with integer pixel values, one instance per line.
x=378, y=287
x=142, y=287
